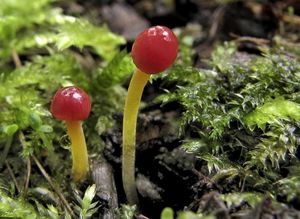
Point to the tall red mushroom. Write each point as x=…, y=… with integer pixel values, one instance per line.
x=154, y=50
x=72, y=105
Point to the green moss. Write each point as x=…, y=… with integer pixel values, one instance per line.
x=44, y=38
x=224, y=106
x=81, y=33
x=239, y=198
x=20, y=208
x=25, y=25
x=272, y=111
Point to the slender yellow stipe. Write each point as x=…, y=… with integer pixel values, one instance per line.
x=79, y=152
x=135, y=90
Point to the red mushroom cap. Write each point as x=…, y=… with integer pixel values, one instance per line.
x=70, y=104
x=155, y=49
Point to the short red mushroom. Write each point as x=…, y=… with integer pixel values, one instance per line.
x=72, y=105
x=154, y=50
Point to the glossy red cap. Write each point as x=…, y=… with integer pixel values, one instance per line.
x=70, y=104
x=155, y=49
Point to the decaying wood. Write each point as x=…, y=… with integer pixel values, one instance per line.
x=102, y=175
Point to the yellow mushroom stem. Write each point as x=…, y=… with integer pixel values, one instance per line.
x=78, y=148
x=135, y=91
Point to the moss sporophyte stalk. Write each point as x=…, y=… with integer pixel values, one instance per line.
x=154, y=50
x=73, y=105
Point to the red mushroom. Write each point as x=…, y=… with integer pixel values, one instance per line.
x=154, y=50
x=72, y=105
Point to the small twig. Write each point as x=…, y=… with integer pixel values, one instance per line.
x=102, y=175
x=217, y=18
x=243, y=184
x=47, y=177
x=12, y=175
x=289, y=44
x=257, y=41
x=16, y=58
x=27, y=179
x=6, y=150
x=207, y=179
x=54, y=187
x=292, y=19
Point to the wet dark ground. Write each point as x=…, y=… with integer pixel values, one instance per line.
x=166, y=175
x=213, y=22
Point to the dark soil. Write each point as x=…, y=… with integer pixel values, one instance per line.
x=166, y=175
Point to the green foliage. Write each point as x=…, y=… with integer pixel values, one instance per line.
x=231, y=90
x=192, y=215
x=116, y=70
x=31, y=12
x=108, y=93
x=127, y=211
x=237, y=199
x=81, y=33
x=108, y=84
x=28, y=24
x=26, y=92
x=221, y=57
x=272, y=111
x=275, y=146
x=290, y=186
x=245, y=111
x=87, y=208
x=167, y=213
x=19, y=208
x=38, y=50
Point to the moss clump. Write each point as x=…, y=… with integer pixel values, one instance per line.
x=244, y=114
